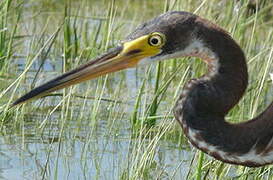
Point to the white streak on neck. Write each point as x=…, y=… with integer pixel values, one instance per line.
x=195, y=49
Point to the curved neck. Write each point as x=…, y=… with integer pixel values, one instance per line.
x=221, y=88
x=208, y=99
x=204, y=103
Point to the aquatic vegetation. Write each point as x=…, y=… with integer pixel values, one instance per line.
x=119, y=126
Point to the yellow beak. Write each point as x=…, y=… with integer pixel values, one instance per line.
x=125, y=56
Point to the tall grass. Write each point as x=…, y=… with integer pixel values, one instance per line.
x=119, y=126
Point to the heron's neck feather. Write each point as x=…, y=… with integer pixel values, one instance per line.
x=202, y=107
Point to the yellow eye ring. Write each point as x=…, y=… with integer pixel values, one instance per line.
x=156, y=39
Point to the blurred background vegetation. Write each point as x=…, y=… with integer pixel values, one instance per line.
x=118, y=126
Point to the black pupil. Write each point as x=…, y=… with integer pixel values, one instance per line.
x=154, y=41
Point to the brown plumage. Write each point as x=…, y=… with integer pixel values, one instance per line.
x=204, y=102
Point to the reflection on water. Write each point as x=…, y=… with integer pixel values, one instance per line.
x=98, y=158
x=83, y=147
x=83, y=152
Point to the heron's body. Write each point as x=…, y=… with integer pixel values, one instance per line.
x=204, y=102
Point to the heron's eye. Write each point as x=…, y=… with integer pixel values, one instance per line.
x=156, y=39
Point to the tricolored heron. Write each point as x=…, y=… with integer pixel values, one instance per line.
x=204, y=102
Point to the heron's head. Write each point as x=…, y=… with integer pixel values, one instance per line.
x=167, y=36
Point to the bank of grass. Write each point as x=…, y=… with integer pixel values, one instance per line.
x=76, y=32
